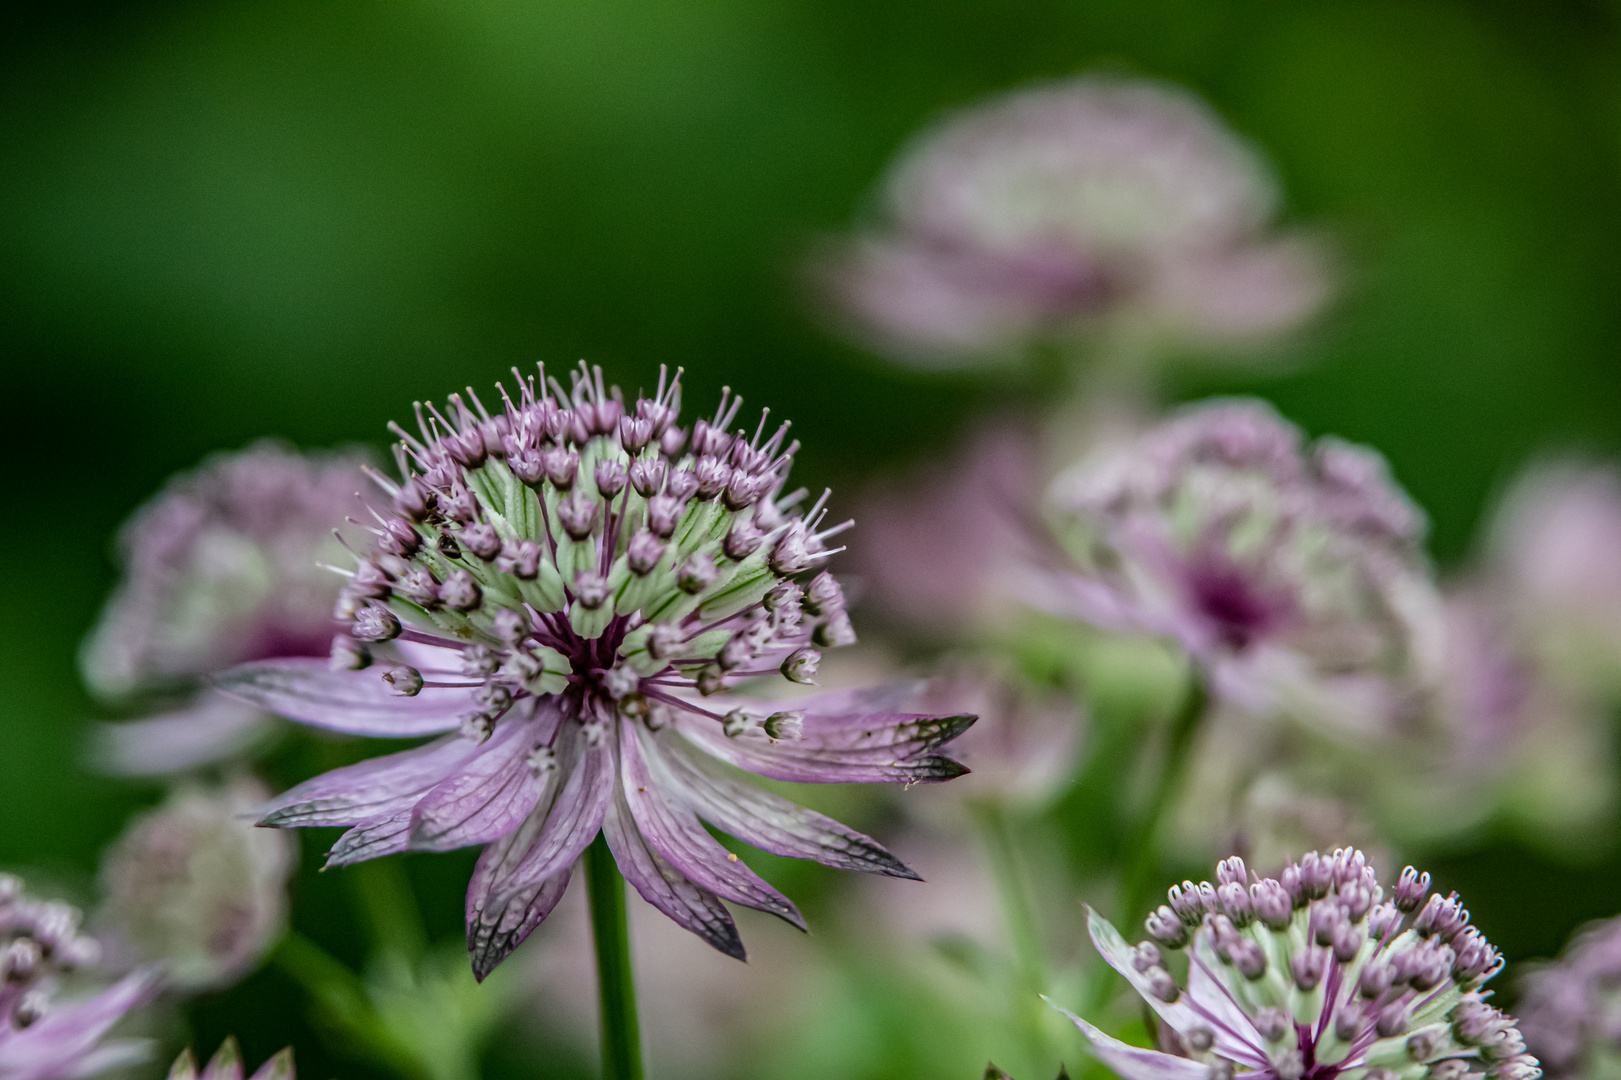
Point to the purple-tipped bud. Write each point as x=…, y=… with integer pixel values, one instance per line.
x=643, y=553
x=710, y=680
x=414, y=499
x=737, y=722
x=665, y=639
x=1382, y=920
x=1442, y=918
x=696, y=574
x=400, y=538
x=713, y=475
x=1376, y=979
x=800, y=666
x=1307, y=966
x=635, y=433
x=1199, y=1039
x=1249, y=959
x=1270, y=902
x=348, y=654
x=1187, y=903
x=479, y=662
x=1316, y=875
x=1356, y=899
x=1476, y=960
x=742, y=540
x=1166, y=927
x=1423, y=1045
x=663, y=514
x=529, y=466
x=1351, y=1019
x=520, y=558
x=481, y=540
x=421, y=588
x=1232, y=871
x=708, y=440
x=370, y=581
x=681, y=485
x=1146, y=954
x=737, y=651
x=1411, y=890
x=460, y=592
x=744, y=490
x=376, y=623
x=509, y=626
x=1273, y=1023
x=1392, y=1020
x=791, y=554
x=785, y=726
x=824, y=596
x=458, y=504
x=561, y=467
x=1348, y=939
x=783, y=595
x=647, y=476
x=672, y=440
x=496, y=697
x=590, y=589
x=578, y=515
x=610, y=478
x=1290, y=880
x=1235, y=902
x=1162, y=985
x=402, y=680
x=1323, y=921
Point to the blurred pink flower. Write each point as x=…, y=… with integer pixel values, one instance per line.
x=1570, y=1010
x=1042, y=213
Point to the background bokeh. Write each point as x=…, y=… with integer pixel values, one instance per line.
x=229, y=220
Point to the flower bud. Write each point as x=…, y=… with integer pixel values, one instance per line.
x=529, y=466
x=696, y=574
x=663, y=515
x=737, y=722
x=376, y=623
x=482, y=541
x=785, y=726
x=400, y=538
x=578, y=515
x=460, y=592
x=610, y=478
x=647, y=476
x=370, y=581
x=520, y=558
x=834, y=631
x=479, y=662
x=643, y=553
x=348, y=654
x=742, y=541
x=420, y=587
x=403, y=680
x=800, y=666
x=590, y=589
x=561, y=467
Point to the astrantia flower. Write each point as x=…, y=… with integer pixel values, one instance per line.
x=567, y=587
x=43, y=1037
x=194, y=886
x=1042, y=214
x=226, y=1064
x=1570, y=1010
x=220, y=568
x=1315, y=974
x=1292, y=576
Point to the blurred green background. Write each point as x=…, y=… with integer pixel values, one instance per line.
x=228, y=220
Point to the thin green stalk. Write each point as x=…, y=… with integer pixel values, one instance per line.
x=1018, y=914
x=1143, y=861
x=621, y=1035
x=341, y=1001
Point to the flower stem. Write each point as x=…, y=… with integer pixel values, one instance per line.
x=1137, y=883
x=342, y=1005
x=621, y=1036
x=1018, y=913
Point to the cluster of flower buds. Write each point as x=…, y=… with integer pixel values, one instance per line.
x=1570, y=1010
x=39, y=942
x=1318, y=969
x=569, y=544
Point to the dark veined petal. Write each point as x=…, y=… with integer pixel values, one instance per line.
x=770, y=822
x=354, y=702
x=494, y=929
x=385, y=834
x=855, y=748
x=1134, y=1062
x=666, y=888
x=66, y=1036
x=554, y=836
x=490, y=795
x=673, y=830
x=361, y=792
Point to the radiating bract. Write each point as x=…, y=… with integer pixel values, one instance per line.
x=195, y=887
x=1293, y=576
x=43, y=1037
x=1046, y=212
x=1315, y=973
x=561, y=591
x=223, y=566
x=226, y=1064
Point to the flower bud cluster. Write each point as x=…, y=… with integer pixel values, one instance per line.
x=1328, y=971
x=1568, y=1008
x=40, y=941
x=570, y=544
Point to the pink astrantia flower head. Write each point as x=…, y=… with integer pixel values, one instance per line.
x=226, y=1064
x=1042, y=213
x=1293, y=575
x=44, y=1035
x=1313, y=975
x=565, y=591
x=221, y=567
x=1570, y=1010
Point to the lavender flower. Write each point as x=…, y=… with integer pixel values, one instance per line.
x=1314, y=974
x=226, y=1064
x=220, y=568
x=1293, y=576
x=1045, y=213
x=565, y=587
x=194, y=886
x=1571, y=1009
x=42, y=1038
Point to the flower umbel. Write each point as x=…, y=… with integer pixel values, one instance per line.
x=1314, y=974
x=565, y=586
x=41, y=1038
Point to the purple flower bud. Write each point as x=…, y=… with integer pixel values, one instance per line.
x=663, y=514
x=610, y=478
x=479, y=662
x=369, y=581
x=643, y=553
x=1356, y=899
x=1187, y=903
x=1145, y=955
x=635, y=433
x=710, y=680
x=376, y=623
x=713, y=475
x=671, y=441
x=1347, y=942
x=460, y=592
x=1235, y=902
x=414, y=499
x=467, y=448
x=1200, y=1040
x=348, y=654
x=785, y=726
x=1323, y=920
x=1273, y=1023
x=1307, y=967
x=709, y=440
x=481, y=540
x=647, y=476
x=1162, y=985
x=1351, y=1019
x=1249, y=959
x=420, y=587
x=578, y=515
x=529, y=466
x=520, y=558
x=561, y=467
x=400, y=538
x=696, y=574
x=1232, y=871
x=1392, y=1020
x=457, y=503
x=665, y=639
x=1376, y=979
x=510, y=627
x=736, y=652
x=824, y=596
x=742, y=540
x=1442, y=918
x=791, y=555
x=783, y=594
x=800, y=666
x=496, y=697
x=403, y=681
x=1166, y=927
x=1411, y=890
x=681, y=485
x=1270, y=902
x=590, y=589
x=835, y=631
x=1316, y=875
x=1290, y=880
x=737, y=723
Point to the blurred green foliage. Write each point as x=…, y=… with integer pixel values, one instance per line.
x=235, y=219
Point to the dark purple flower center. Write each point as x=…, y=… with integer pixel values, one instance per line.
x=1230, y=601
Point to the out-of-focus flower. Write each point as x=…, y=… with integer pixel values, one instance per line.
x=43, y=1037
x=937, y=550
x=226, y=1064
x=1293, y=576
x=1313, y=973
x=1556, y=549
x=1570, y=1010
x=193, y=886
x=563, y=588
x=222, y=567
x=1046, y=213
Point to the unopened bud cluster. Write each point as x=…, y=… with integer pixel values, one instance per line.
x=40, y=941
x=570, y=544
x=1328, y=971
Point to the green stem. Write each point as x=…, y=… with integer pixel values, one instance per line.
x=1018, y=913
x=1137, y=884
x=341, y=1002
x=621, y=1036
